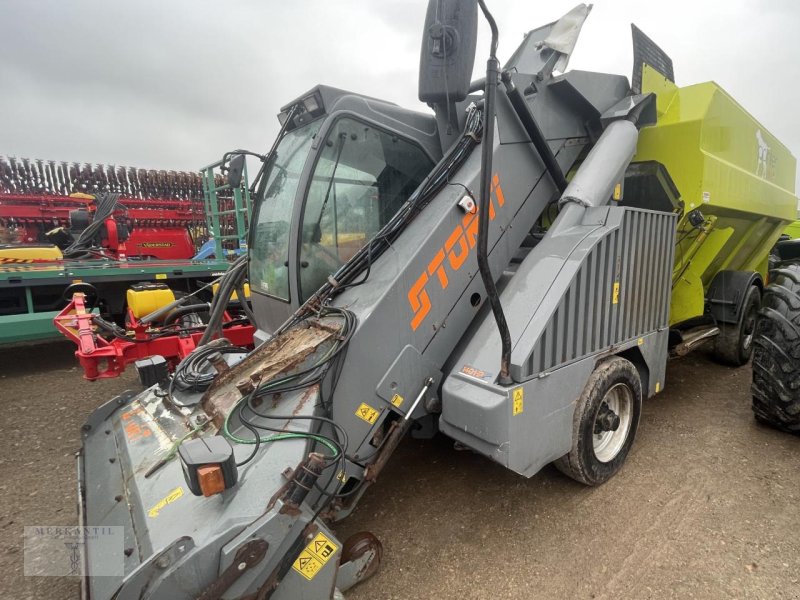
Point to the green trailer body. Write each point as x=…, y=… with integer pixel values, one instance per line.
x=729, y=167
x=793, y=230
x=31, y=294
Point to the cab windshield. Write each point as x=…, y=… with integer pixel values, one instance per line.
x=362, y=176
x=269, y=249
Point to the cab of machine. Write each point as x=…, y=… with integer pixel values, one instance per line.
x=343, y=168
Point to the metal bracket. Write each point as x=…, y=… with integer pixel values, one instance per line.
x=247, y=556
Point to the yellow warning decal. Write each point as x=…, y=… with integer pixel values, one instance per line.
x=640, y=341
x=397, y=400
x=367, y=413
x=618, y=191
x=517, y=404
x=314, y=556
x=658, y=386
x=615, y=295
x=168, y=499
x=161, y=275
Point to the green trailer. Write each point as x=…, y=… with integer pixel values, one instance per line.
x=736, y=186
x=793, y=230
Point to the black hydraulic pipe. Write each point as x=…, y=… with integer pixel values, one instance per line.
x=180, y=311
x=487, y=141
x=534, y=132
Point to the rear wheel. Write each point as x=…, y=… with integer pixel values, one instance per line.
x=734, y=344
x=776, y=357
x=605, y=422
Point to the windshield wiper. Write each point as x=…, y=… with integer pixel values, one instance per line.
x=342, y=139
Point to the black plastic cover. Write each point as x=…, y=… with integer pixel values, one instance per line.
x=152, y=370
x=200, y=452
x=649, y=186
x=646, y=51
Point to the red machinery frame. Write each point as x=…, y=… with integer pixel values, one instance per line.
x=159, y=227
x=103, y=359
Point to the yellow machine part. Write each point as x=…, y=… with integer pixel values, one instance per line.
x=727, y=165
x=30, y=253
x=143, y=302
x=215, y=287
x=81, y=196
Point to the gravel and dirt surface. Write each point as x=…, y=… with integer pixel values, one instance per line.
x=707, y=506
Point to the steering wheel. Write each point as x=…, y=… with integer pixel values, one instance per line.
x=88, y=290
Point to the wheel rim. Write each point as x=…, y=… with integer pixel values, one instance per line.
x=609, y=435
x=748, y=328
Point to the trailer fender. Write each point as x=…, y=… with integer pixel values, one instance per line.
x=787, y=250
x=727, y=292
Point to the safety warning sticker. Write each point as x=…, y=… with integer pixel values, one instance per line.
x=517, y=401
x=367, y=413
x=173, y=496
x=314, y=556
x=397, y=400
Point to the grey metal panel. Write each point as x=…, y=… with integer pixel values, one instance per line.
x=579, y=322
x=604, y=166
x=481, y=415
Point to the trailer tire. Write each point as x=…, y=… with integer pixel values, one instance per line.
x=734, y=344
x=776, y=355
x=595, y=457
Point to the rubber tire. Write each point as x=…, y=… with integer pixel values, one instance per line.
x=581, y=463
x=776, y=356
x=729, y=345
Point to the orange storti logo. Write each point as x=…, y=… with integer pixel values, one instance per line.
x=456, y=249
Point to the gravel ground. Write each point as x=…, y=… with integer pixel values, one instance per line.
x=707, y=506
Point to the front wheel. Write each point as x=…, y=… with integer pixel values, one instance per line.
x=605, y=422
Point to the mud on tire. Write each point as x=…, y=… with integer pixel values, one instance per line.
x=586, y=462
x=776, y=352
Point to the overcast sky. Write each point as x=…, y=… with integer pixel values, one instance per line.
x=171, y=84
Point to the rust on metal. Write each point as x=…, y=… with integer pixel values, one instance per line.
x=218, y=362
x=359, y=544
x=247, y=556
x=396, y=432
x=280, y=355
x=245, y=386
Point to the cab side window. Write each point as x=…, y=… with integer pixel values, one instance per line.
x=363, y=176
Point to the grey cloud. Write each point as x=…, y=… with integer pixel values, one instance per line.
x=174, y=84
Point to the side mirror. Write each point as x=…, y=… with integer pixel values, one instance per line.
x=448, y=50
x=236, y=170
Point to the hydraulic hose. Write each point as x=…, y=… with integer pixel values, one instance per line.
x=228, y=283
x=180, y=311
x=492, y=80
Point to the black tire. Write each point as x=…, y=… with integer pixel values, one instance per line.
x=582, y=463
x=734, y=344
x=776, y=356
